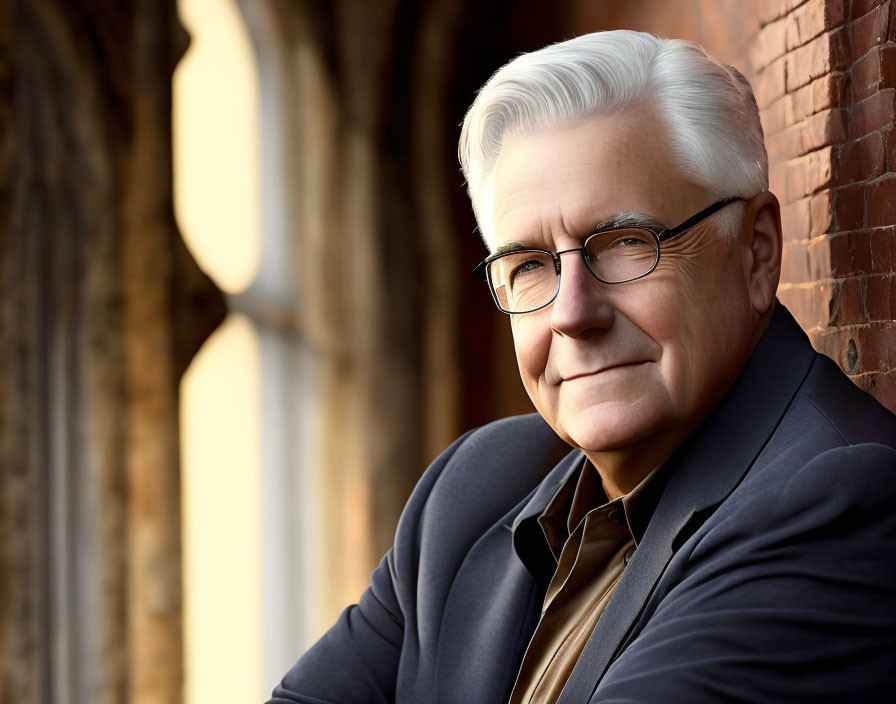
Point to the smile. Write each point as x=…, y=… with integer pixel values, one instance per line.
x=612, y=367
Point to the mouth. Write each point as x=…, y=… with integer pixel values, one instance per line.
x=601, y=370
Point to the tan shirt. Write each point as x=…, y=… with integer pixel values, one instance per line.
x=593, y=540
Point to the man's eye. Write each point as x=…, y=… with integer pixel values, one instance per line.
x=526, y=267
x=630, y=241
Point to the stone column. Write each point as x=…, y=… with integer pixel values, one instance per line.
x=102, y=308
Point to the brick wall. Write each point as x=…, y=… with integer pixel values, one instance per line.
x=825, y=73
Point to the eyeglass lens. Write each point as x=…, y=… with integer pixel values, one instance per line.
x=526, y=280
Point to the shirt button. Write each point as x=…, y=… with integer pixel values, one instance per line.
x=628, y=554
x=615, y=515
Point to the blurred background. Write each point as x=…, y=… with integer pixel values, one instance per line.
x=238, y=316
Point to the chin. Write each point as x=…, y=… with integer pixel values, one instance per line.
x=607, y=427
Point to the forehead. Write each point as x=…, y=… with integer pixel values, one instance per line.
x=563, y=182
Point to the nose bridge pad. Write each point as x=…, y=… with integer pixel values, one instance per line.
x=582, y=255
x=580, y=251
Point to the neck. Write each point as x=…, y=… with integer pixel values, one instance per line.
x=621, y=470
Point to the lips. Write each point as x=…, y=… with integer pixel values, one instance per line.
x=599, y=370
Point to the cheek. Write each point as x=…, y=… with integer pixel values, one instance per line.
x=532, y=343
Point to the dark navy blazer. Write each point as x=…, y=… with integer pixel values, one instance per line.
x=767, y=572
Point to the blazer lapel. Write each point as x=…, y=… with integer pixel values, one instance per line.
x=528, y=540
x=707, y=467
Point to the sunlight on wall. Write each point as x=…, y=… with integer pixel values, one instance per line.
x=216, y=162
x=217, y=205
x=221, y=446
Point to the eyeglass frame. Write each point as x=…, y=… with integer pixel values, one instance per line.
x=482, y=272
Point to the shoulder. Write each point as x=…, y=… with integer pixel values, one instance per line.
x=505, y=455
x=855, y=415
x=849, y=489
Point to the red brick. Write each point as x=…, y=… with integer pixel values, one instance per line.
x=862, y=7
x=821, y=213
x=880, y=202
x=873, y=113
x=823, y=129
x=769, y=44
x=849, y=208
x=877, y=298
x=820, y=171
x=840, y=49
x=821, y=302
x=830, y=91
x=794, y=263
x=774, y=117
x=832, y=342
x=865, y=75
x=881, y=246
x=888, y=66
x=890, y=138
x=874, y=344
x=777, y=177
x=785, y=144
x=869, y=30
x=865, y=381
x=838, y=248
x=826, y=53
x=892, y=33
x=769, y=85
x=770, y=10
x=812, y=19
x=819, y=256
x=795, y=220
x=804, y=302
x=859, y=253
x=892, y=294
x=852, y=302
x=798, y=105
x=861, y=160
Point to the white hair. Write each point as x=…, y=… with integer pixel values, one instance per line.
x=708, y=108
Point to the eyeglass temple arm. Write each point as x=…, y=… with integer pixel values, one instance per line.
x=694, y=219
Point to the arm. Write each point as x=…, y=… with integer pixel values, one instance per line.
x=791, y=596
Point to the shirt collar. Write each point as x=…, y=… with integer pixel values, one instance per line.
x=582, y=492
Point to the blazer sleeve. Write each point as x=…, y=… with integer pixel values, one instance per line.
x=791, y=596
x=356, y=661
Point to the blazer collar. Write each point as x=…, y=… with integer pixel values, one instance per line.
x=698, y=477
x=528, y=539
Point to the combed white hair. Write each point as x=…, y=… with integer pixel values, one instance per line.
x=709, y=110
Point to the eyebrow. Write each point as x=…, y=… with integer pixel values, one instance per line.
x=509, y=247
x=629, y=219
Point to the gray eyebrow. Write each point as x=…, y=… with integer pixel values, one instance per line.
x=629, y=219
x=509, y=247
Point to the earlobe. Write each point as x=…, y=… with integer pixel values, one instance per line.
x=763, y=232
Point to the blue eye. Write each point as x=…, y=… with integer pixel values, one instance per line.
x=527, y=266
x=631, y=241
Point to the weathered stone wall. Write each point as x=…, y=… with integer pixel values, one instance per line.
x=101, y=310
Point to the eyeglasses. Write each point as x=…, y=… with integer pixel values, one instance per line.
x=526, y=280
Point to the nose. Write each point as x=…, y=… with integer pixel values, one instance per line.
x=582, y=303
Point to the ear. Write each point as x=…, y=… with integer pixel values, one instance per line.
x=761, y=237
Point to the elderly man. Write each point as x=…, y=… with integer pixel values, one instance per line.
x=724, y=527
